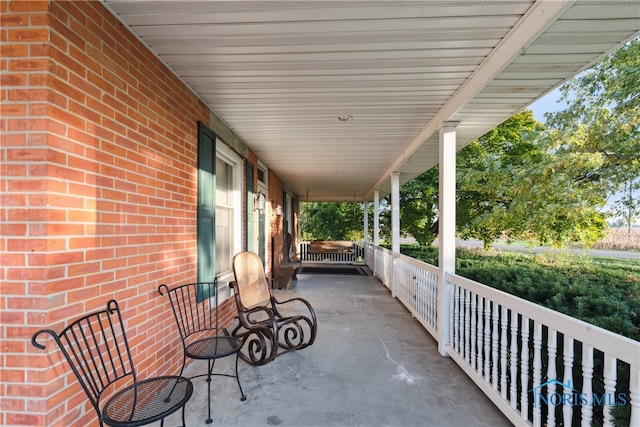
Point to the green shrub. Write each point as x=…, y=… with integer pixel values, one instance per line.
x=602, y=291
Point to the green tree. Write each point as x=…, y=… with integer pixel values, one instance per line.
x=331, y=220
x=602, y=120
x=419, y=207
x=511, y=183
x=486, y=171
x=483, y=199
x=514, y=182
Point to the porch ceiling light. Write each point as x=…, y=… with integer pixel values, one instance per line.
x=345, y=118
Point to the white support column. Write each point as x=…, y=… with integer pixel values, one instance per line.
x=365, y=221
x=447, y=228
x=376, y=218
x=395, y=212
x=395, y=226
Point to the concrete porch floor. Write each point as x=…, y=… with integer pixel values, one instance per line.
x=372, y=364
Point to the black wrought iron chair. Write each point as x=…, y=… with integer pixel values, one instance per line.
x=97, y=350
x=268, y=327
x=195, y=308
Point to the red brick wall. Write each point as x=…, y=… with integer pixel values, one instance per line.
x=276, y=191
x=98, y=194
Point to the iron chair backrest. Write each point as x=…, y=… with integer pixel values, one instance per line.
x=97, y=350
x=252, y=284
x=195, y=308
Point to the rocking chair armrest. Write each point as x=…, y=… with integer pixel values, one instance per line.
x=276, y=303
x=245, y=317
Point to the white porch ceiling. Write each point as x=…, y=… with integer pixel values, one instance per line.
x=279, y=73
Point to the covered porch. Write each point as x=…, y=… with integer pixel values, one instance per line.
x=376, y=360
x=109, y=108
x=372, y=364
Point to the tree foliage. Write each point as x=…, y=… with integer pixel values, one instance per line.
x=513, y=184
x=509, y=184
x=331, y=220
x=602, y=121
x=419, y=207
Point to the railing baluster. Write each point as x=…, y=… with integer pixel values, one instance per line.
x=552, y=345
x=514, y=360
x=537, y=371
x=405, y=289
x=487, y=339
x=480, y=336
x=467, y=322
x=451, y=318
x=610, y=377
x=428, y=299
x=587, y=386
x=504, y=344
x=422, y=299
x=434, y=299
x=461, y=322
x=524, y=371
x=567, y=356
x=474, y=331
x=426, y=292
x=634, y=395
x=495, y=341
x=418, y=286
x=459, y=318
x=456, y=317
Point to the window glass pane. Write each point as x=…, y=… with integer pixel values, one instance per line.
x=224, y=183
x=224, y=239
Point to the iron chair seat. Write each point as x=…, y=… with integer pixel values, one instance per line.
x=196, y=312
x=213, y=347
x=162, y=396
x=96, y=348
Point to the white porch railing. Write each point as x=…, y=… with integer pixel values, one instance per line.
x=537, y=365
x=383, y=259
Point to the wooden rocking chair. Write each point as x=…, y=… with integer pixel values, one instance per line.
x=268, y=327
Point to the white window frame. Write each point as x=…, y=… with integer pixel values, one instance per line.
x=264, y=187
x=227, y=155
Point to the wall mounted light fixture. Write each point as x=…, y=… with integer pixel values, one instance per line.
x=260, y=201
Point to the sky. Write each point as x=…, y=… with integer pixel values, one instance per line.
x=547, y=104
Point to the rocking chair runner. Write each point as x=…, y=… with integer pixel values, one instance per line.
x=97, y=350
x=268, y=327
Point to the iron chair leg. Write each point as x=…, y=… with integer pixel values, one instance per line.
x=243, y=398
x=210, y=362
